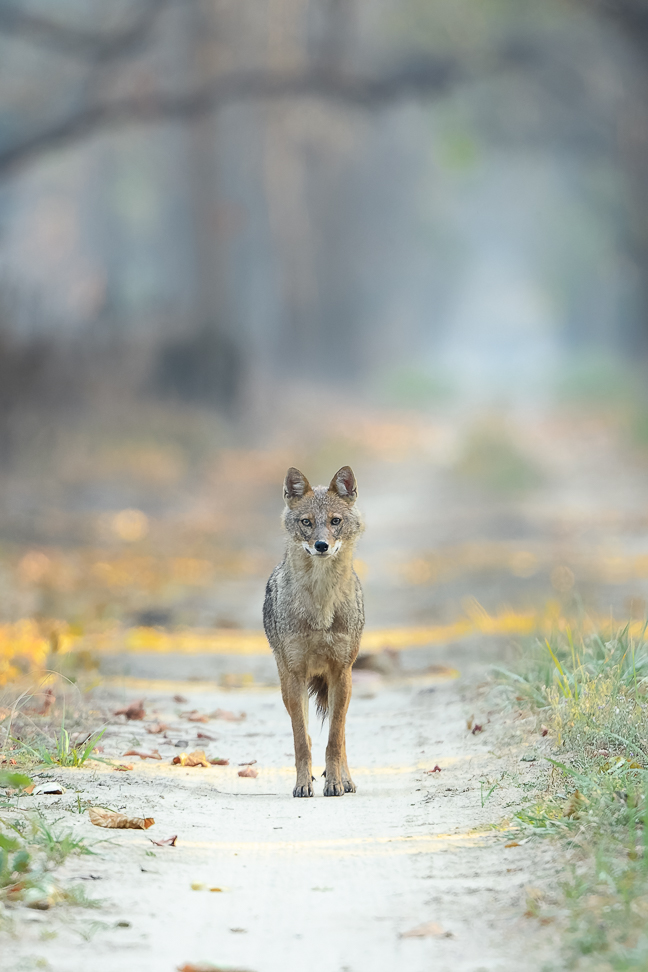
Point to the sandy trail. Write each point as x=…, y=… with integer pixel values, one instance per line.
x=333, y=882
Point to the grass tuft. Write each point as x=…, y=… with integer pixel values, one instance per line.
x=590, y=694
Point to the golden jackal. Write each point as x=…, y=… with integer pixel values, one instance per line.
x=313, y=615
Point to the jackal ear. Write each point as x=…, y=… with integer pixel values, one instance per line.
x=344, y=485
x=295, y=486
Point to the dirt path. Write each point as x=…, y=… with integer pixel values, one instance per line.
x=336, y=884
x=332, y=882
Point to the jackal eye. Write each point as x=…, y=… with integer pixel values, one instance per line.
x=336, y=520
x=306, y=522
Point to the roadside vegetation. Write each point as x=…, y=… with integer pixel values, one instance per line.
x=31, y=850
x=589, y=693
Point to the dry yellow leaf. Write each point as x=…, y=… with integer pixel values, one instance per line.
x=118, y=821
x=430, y=929
x=197, y=758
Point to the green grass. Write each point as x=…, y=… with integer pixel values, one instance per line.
x=591, y=694
x=61, y=751
x=31, y=850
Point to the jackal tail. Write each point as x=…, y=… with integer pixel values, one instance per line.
x=318, y=689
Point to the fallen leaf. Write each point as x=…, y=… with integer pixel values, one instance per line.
x=207, y=967
x=217, y=889
x=219, y=762
x=123, y=767
x=118, y=821
x=48, y=701
x=194, y=716
x=136, y=752
x=205, y=735
x=156, y=728
x=430, y=929
x=469, y=723
x=248, y=771
x=437, y=769
x=228, y=716
x=197, y=758
x=167, y=842
x=49, y=788
x=477, y=728
x=180, y=699
x=133, y=711
x=574, y=804
x=513, y=843
x=544, y=730
x=29, y=789
x=250, y=762
x=197, y=886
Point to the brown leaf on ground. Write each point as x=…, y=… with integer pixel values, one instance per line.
x=250, y=762
x=156, y=728
x=437, y=769
x=219, y=762
x=136, y=752
x=228, y=716
x=477, y=728
x=430, y=929
x=512, y=843
x=180, y=699
x=123, y=767
x=207, y=967
x=118, y=821
x=167, y=842
x=248, y=771
x=48, y=701
x=205, y=735
x=133, y=711
x=469, y=723
x=29, y=789
x=197, y=758
x=194, y=716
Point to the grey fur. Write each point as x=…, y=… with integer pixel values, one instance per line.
x=313, y=612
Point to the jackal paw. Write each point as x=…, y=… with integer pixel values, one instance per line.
x=349, y=786
x=334, y=789
x=303, y=790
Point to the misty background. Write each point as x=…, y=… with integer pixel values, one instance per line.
x=238, y=236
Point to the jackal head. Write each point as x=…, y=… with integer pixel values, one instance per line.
x=322, y=519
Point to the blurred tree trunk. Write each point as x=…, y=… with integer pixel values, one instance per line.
x=630, y=18
x=285, y=182
x=206, y=365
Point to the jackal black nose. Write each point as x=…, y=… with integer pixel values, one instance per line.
x=321, y=546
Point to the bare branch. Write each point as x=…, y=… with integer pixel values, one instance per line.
x=430, y=77
x=67, y=39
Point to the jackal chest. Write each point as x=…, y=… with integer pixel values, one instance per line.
x=313, y=652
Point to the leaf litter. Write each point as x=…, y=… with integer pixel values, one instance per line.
x=208, y=967
x=197, y=758
x=249, y=771
x=431, y=929
x=118, y=821
x=136, y=752
x=133, y=711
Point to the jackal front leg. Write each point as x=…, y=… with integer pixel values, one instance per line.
x=338, y=778
x=295, y=696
